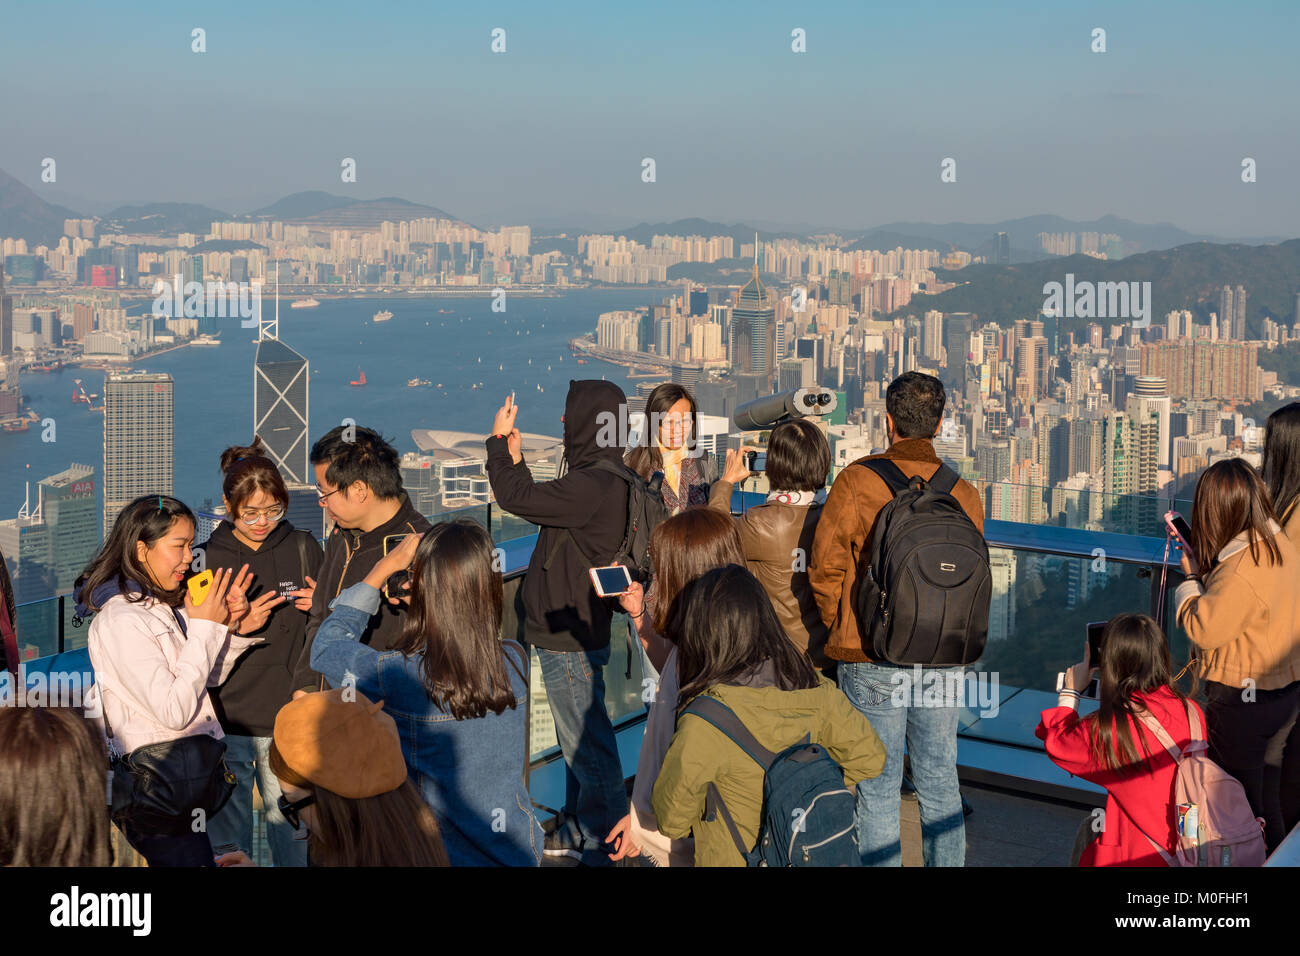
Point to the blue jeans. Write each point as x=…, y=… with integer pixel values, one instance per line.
x=595, y=794
x=930, y=733
x=247, y=757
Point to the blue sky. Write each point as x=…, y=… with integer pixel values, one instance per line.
x=849, y=134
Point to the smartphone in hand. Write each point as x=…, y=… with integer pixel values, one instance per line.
x=611, y=581
x=1180, y=529
x=198, y=587
x=393, y=586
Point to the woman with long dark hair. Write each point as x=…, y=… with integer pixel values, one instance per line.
x=1114, y=747
x=457, y=690
x=155, y=653
x=1240, y=608
x=52, y=784
x=732, y=648
x=284, y=560
x=682, y=548
x=1282, y=466
x=667, y=445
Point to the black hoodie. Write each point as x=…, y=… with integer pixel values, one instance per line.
x=350, y=554
x=260, y=684
x=563, y=611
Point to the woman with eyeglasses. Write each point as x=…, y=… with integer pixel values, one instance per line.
x=283, y=560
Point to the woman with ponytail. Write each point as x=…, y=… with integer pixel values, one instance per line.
x=283, y=561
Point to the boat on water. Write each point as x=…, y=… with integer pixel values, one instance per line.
x=360, y=380
x=383, y=315
x=582, y=361
x=207, y=340
x=304, y=303
x=418, y=383
x=20, y=425
x=446, y=311
x=501, y=368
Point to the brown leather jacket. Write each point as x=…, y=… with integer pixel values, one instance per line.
x=778, y=539
x=847, y=524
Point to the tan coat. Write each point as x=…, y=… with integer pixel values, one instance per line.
x=777, y=540
x=1244, y=618
x=847, y=524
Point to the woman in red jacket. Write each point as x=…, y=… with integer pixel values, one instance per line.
x=1114, y=749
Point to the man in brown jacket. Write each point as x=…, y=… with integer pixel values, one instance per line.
x=914, y=405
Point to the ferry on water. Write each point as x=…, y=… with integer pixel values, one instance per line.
x=304, y=304
x=383, y=315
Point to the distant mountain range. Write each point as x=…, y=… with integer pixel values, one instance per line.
x=1186, y=277
x=24, y=213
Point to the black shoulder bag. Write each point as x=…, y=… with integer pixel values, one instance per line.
x=157, y=787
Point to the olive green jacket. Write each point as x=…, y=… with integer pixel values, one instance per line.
x=701, y=754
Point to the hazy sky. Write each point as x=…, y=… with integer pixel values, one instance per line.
x=849, y=134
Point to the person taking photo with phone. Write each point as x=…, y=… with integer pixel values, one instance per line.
x=458, y=692
x=1114, y=748
x=1240, y=608
x=582, y=517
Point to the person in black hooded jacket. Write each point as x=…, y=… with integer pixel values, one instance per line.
x=582, y=517
x=285, y=560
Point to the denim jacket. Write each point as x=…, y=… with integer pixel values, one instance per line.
x=470, y=772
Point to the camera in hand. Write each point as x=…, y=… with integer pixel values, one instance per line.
x=756, y=460
x=1095, y=630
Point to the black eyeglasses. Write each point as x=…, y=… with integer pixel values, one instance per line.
x=291, y=810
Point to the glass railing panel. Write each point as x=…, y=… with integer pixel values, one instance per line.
x=623, y=689
x=37, y=628
x=1140, y=514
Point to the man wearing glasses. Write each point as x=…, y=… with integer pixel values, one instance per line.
x=359, y=483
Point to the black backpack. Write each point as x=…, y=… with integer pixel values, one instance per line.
x=922, y=594
x=645, y=510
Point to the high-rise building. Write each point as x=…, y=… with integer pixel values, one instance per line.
x=958, y=348
x=138, y=434
x=281, y=412
x=1151, y=392
x=754, y=323
x=1002, y=249
x=54, y=537
x=1002, y=605
x=1203, y=369
x=7, y=318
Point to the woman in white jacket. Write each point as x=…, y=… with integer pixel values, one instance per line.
x=155, y=652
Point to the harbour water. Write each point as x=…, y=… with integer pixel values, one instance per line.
x=214, y=385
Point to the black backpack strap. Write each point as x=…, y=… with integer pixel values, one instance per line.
x=305, y=542
x=713, y=805
x=944, y=480
x=889, y=473
x=724, y=718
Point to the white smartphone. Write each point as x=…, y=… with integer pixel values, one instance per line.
x=611, y=581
